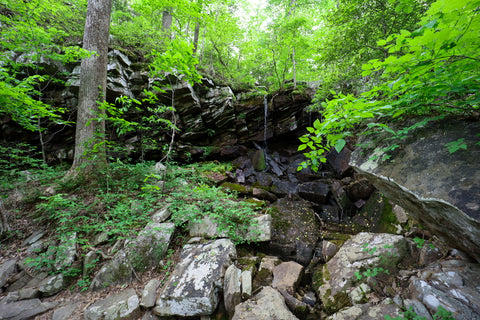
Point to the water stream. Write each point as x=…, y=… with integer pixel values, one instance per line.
x=265, y=127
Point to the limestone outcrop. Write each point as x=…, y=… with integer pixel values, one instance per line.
x=437, y=188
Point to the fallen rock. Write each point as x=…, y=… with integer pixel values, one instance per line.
x=368, y=311
x=66, y=252
x=65, y=312
x=124, y=305
x=267, y=304
x=52, y=285
x=145, y=251
x=364, y=251
x=194, y=285
x=149, y=293
x=232, y=292
x=295, y=230
x=25, y=309
x=314, y=191
x=6, y=270
x=287, y=276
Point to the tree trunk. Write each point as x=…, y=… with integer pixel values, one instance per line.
x=196, y=35
x=167, y=23
x=90, y=152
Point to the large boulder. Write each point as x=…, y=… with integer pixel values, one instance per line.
x=358, y=256
x=267, y=304
x=124, y=305
x=145, y=251
x=438, y=188
x=25, y=309
x=295, y=230
x=193, y=287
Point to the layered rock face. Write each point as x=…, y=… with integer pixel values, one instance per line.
x=212, y=119
x=438, y=188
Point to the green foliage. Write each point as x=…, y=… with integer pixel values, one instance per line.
x=410, y=314
x=34, y=32
x=430, y=73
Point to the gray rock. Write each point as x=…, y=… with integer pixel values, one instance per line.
x=232, y=289
x=437, y=188
x=124, y=305
x=149, y=293
x=193, y=287
x=259, y=230
x=28, y=293
x=66, y=252
x=89, y=262
x=25, y=309
x=368, y=311
x=6, y=270
x=52, y=285
x=314, y=191
x=362, y=252
x=329, y=249
x=267, y=304
x=295, y=226
x=161, y=215
x=65, y=312
x=246, y=284
x=37, y=235
x=417, y=307
x=287, y=276
x=452, y=284
x=145, y=251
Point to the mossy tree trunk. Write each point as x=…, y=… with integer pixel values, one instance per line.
x=90, y=151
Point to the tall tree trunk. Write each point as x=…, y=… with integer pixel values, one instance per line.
x=167, y=22
x=196, y=35
x=90, y=152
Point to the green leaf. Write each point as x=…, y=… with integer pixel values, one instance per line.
x=339, y=145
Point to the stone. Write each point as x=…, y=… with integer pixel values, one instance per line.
x=259, y=161
x=452, y=284
x=310, y=298
x=295, y=229
x=146, y=251
x=299, y=308
x=89, y=262
x=267, y=304
x=193, y=287
x=368, y=311
x=232, y=291
x=259, y=230
x=287, y=276
x=400, y=213
x=161, y=215
x=362, y=252
x=263, y=194
x=314, y=191
x=246, y=279
x=329, y=249
x=25, y=309
x=65, y=312
x=66, y=251
x=437, y=188
x=269, y=263
x=52, y=285
x=34, y=237
x=359, y=294
x=360, y=189
x=149, y=293
x=341, y=197
x=28, y=293
x=124, y=305
x=417, y=307
x=6, y=270
x=339, y=162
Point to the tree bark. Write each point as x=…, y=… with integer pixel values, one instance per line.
x=90, y=152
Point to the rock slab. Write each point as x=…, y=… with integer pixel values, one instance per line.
x=194, y=286
x=124, y=305
x=438, y=188
x=267, y=304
